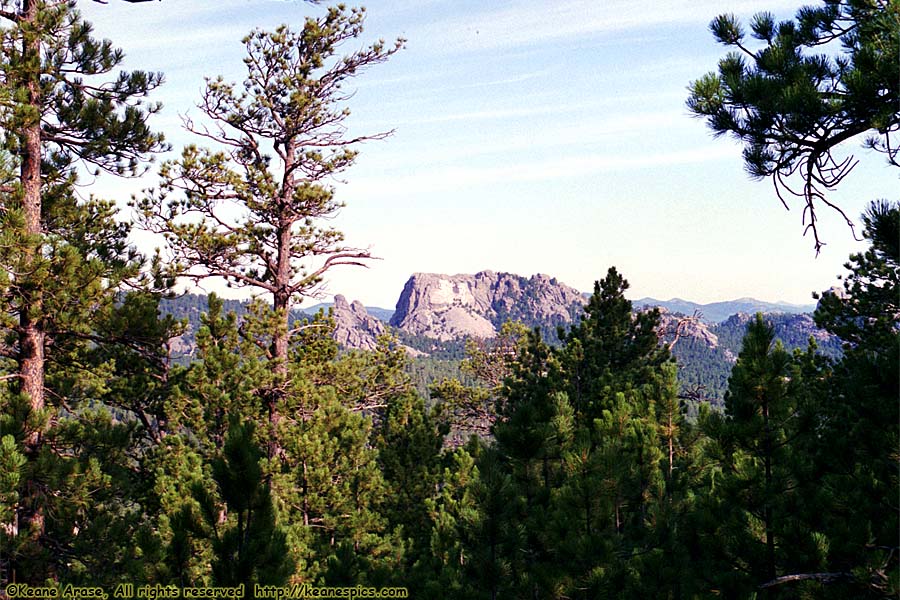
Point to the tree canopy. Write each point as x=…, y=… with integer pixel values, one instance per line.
x=800, y=88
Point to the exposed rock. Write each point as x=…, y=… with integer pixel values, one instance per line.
x=673, y=328
x=184, y=344
x=799, y=327
x=354, y=327
x=806, y=326
x=445, y=307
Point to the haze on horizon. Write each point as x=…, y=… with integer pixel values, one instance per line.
x=528, y=139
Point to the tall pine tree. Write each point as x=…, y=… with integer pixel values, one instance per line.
x=64, y=258
x=290, y=104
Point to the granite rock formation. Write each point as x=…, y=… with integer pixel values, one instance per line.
x=354, y=326
x=446, y=307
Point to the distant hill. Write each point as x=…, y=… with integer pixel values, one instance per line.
x=356, y=326
x=716, y=312
x=436, y=313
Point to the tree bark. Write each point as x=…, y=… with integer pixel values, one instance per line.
x=281, y=300
x=32, y=338
x=770, y=536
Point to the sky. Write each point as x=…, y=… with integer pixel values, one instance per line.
x=529, y=137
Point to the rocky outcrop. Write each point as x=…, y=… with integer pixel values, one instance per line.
x=446, y=307
x=356, y=329
x=797, y=327
x=805, y=326
x=674, y=328
x=354, y=326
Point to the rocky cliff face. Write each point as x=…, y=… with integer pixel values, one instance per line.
x=672, y=328
x=354, y=326
x=794, y=331
x=799, y=327
x=446, y=307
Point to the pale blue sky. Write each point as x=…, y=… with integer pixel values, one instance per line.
x=531, y=136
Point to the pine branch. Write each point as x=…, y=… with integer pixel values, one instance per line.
x=820, y=577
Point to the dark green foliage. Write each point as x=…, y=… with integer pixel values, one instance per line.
x=568, y=489
x=223, y=383
x=409, y=443
x=702, y=370
x=828, y=76
x=73, y=407
x=609, y=350
x=857, y=449
x=257, y=462
x=755, y=445
x=103, y=125
x=230, y=520
x=250, y=548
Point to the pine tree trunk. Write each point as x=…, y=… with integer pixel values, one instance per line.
x=280, y=343
x=671, y=440
x=281, y=300
x=770, y=538
x=31, y=336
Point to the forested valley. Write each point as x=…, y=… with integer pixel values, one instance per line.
x=270, y=457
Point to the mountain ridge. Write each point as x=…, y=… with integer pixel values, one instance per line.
x=716, y=312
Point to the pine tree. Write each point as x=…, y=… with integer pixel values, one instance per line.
x=757, y=445
x=253, y=549
x=441, y=570
x=474, y=408
x=409, y=444
x=858, y=419
x=492, y=535
x=817, y=81
x=534, y=427
x=222, y=383
x=613, y=367
x=610, y=349
x=56, y=121
x=233, y=519
x=64, y=258
x=331, y=488
x=289, y=104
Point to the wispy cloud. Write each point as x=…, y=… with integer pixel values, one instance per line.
x=442, y=179
x=507, y=80
x=497, y=114
x=196, y=14
x=189, y=41
x=531, y=23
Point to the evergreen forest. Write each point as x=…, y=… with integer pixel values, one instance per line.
x=577, y=469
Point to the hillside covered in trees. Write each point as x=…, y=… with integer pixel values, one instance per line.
x=704, y=353
x=568, y=464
